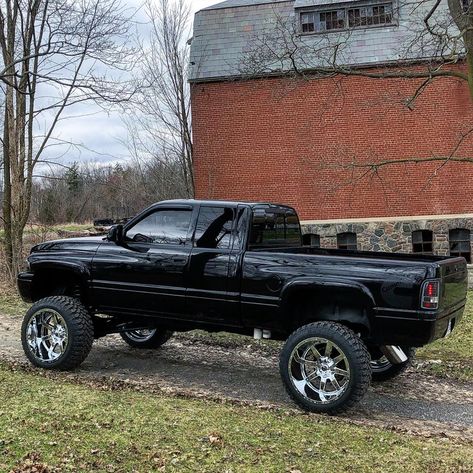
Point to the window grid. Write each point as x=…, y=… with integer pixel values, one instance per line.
x=422, y=242
x=346, y=241
x=311, y=239
x=460, y=245
x=332, y=20
x=347, y=18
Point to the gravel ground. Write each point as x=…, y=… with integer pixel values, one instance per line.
x=414, y=402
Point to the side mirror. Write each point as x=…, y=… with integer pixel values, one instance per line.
x=116, y=234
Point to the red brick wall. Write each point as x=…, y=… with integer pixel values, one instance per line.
x=290, y=141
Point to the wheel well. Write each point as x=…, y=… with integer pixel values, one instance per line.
x=53, y=282
x=348, y=306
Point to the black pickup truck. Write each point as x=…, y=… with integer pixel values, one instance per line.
x=345, y=316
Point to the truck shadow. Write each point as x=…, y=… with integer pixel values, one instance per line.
x=242, y=374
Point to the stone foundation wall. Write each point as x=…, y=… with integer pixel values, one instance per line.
x=392, y=236
x=470, y=276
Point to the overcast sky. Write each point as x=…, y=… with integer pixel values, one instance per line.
x=99, y=133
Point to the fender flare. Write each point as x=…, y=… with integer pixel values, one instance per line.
x=79, y=270
x=307, y=283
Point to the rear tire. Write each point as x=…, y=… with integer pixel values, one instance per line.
x=149, y=338
x=384, y=370
x=325, y=367
x=57, y=333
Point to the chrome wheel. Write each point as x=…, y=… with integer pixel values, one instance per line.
x=319, y=370
x=47, y=335
x=140, y=336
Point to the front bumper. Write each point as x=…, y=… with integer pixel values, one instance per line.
x=25, y=286
x=417, y=330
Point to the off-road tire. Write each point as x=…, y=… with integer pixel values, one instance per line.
x=80, y=332
x=390, y=371
x=355, y=352
x=159, y=338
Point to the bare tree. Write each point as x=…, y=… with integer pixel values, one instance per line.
x=461, y=12
x=56, y=53
x=88, y=191
x=160, y=124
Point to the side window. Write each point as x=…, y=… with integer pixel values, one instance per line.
x=162, y=227
x=214, y=227
x=346, y=241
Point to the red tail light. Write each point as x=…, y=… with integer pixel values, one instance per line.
x=430, y=295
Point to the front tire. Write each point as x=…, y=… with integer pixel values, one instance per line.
x=57, y=333
x=146, y=338
x=325, y=367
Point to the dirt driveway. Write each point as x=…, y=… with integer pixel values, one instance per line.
x=414, y=402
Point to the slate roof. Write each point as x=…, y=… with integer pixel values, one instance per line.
x=227, y=33
x=240, y=3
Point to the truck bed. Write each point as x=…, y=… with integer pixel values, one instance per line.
x=380, y=270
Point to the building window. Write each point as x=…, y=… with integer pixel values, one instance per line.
x=311, y=239
x=422, y=242
x=363, y=16
x=308, y=22
x=460, y=243
x=332, y=20
x=370, y=16
x=346, y=241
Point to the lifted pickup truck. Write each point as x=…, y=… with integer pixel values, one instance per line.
x=345, y=316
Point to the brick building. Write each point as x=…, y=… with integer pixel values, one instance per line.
x=282, y=137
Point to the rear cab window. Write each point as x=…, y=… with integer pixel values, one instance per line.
x=275, y=227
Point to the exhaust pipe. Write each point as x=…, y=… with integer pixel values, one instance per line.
x=394, y=354
x=259, y=333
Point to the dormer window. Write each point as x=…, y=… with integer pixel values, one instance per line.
x=363, y=15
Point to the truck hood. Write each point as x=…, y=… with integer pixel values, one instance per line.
x=84, y=243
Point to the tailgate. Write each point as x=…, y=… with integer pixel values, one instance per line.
x=453, y=274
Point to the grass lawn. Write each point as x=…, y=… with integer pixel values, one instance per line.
x=71, y=427
x=38, y=229
x=11, y=304
x=453, y=356
x=73, y=227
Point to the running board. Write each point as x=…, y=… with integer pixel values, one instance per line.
x=394, y=354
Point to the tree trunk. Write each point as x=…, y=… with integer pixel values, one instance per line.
x=14, y=207
x=468, y=40
x=6, y=204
